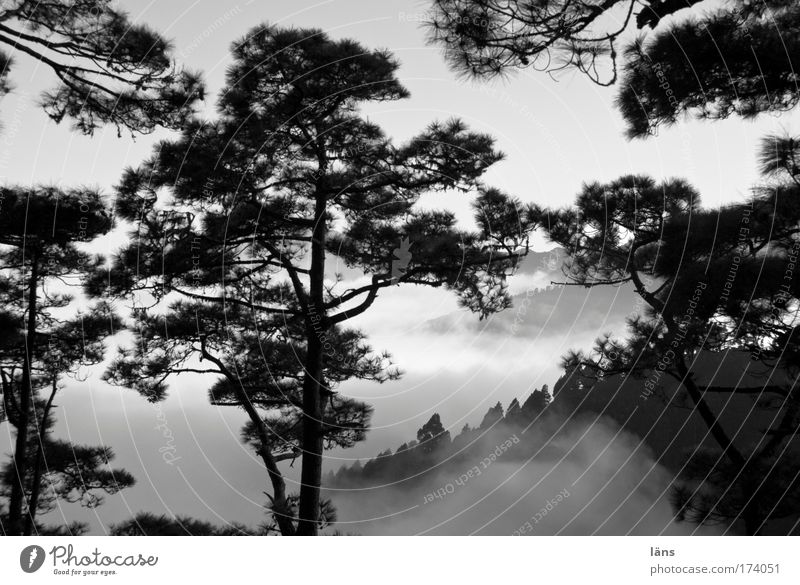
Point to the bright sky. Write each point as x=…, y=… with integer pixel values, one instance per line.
x=556, y=134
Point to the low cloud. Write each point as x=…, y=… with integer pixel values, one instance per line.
x=570, y=477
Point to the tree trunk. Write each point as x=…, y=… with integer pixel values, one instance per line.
x=311, y=474
x=280, y=505
x=33, y=503
x=708, y=416
x=316, y=328
x=20, y=463
x=750, y=511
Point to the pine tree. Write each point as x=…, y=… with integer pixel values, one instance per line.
x=147, y=524
x=289, y=179
x=738, y=59
x=536, y=402
x=109, y=70
x=711, y=280
x=45, y=337
x=514, y=415
x=741, y=60
x=492, y=416
x=433, y=436
x=487, y=38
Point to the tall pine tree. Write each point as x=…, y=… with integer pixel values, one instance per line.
x=247, y=216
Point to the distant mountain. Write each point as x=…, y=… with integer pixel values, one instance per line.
x=545, y=308
x=523, y=470
x=434, y=452
x=549, y=261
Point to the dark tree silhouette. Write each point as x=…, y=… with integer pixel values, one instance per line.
x=109, y=70
x=45, y=337
x=265, y=200
x=709, y=280
x=486, y=38
x=147, y=524
x=537, y=402
x=493, y=415
x=739, y=59
x=432, y=436
x=762, y=325
x=259, y=371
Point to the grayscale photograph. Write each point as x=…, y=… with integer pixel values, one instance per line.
x=397, y=268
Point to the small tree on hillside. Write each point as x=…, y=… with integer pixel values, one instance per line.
x=289, y=180
x=432, y=436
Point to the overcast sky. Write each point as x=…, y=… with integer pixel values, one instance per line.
x=556, y=134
